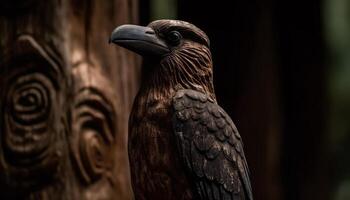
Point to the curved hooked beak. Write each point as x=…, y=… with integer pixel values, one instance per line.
x=140, y=39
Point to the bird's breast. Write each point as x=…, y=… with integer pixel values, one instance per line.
x=157, y=110
x=156, y=170
x=151, y=121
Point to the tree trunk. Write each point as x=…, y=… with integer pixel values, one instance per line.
x=65, y=99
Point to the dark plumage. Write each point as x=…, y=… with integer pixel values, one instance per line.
x=182, y=144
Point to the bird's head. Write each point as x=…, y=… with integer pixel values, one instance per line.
x=179, y=49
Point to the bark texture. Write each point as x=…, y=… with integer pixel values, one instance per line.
x=65, y=99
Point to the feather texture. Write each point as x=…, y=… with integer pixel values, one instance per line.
x=210, y=147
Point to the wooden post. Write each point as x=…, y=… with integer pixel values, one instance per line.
x=65, y=99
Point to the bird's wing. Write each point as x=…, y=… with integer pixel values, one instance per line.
x=210, y=147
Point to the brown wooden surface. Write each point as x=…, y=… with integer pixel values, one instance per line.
x=65, y=99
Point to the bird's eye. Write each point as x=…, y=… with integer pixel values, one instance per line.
x=174, y=38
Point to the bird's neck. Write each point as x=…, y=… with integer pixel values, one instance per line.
x=155, y=85
x=158, y=86
x=163, y=81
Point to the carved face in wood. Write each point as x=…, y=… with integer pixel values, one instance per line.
x=63, y=129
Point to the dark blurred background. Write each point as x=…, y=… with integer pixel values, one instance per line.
x=282, y=72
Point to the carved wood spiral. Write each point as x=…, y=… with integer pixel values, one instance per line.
x=27, y=136
x=92, y=125
x=30, y=123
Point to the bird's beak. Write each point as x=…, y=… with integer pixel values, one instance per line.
x=140, y=39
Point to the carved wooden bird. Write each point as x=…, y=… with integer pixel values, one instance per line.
x=182, y=144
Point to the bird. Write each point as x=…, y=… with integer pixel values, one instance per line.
x=181, y=143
